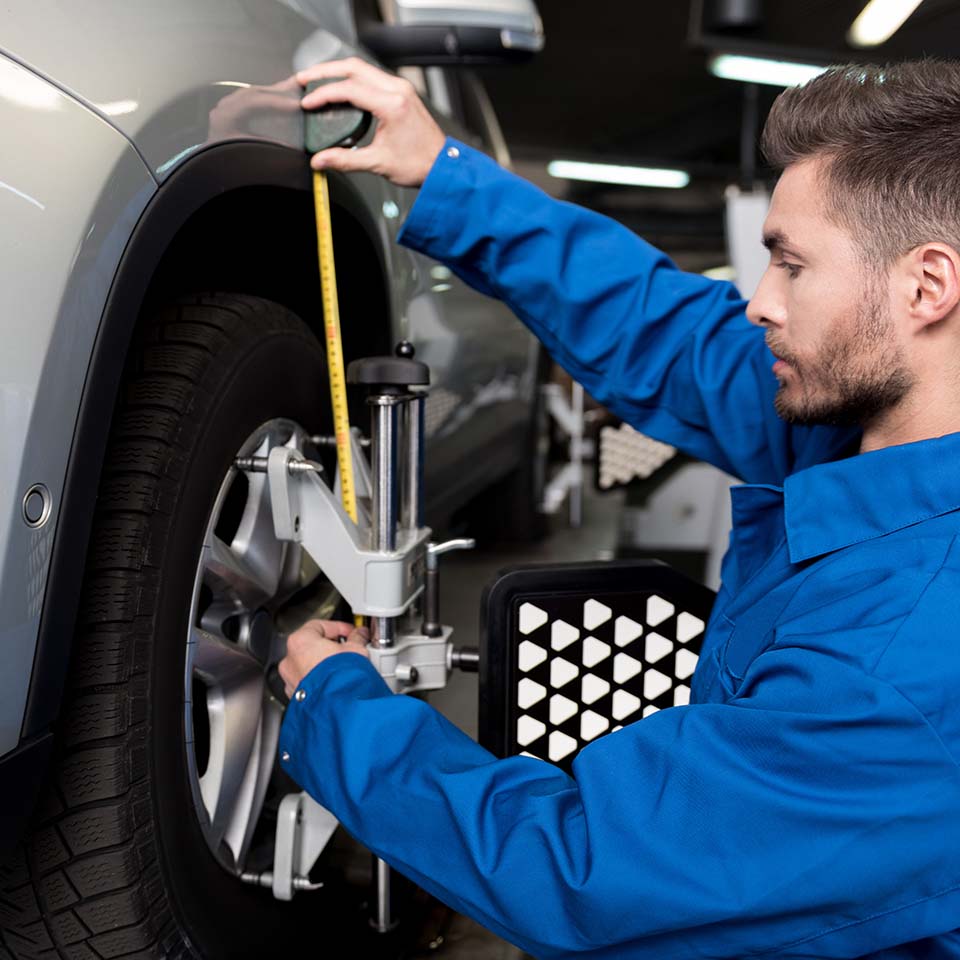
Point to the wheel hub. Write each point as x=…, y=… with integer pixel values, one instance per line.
x=260, y=637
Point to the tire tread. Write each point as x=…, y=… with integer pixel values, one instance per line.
x=86, y=884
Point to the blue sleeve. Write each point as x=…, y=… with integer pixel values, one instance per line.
x=671, y=353
x=775, y=824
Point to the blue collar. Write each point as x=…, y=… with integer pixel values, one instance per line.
x=833, y=505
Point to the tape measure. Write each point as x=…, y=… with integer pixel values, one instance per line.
x=334, y=340
x=335, y=370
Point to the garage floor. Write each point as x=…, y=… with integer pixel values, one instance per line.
x=463, y=576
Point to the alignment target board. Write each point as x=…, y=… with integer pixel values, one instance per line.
x=581, y=663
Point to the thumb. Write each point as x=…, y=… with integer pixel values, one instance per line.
x=343, y=159
x=360, y=635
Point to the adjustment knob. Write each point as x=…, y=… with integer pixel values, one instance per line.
x=389, y=374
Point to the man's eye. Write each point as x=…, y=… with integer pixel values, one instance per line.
x=791, y=268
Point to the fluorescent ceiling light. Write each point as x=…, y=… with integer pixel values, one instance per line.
x=611, y=173
x=777, y=73
x=880, y=20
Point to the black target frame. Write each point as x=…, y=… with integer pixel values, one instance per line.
x=559, y=591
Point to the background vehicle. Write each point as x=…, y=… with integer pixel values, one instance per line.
x=160, y=318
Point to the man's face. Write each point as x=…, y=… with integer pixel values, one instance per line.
x=827, y=317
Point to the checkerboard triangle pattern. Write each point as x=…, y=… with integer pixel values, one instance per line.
x=589, y=665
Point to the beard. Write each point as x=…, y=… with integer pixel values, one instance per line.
x=856, y=375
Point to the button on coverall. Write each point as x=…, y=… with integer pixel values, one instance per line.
x=807, y=802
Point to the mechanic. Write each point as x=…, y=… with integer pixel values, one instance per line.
x=807, y=802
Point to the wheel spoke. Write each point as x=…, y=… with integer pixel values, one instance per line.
x=228, y=573
x=234, y=706
x=256, y=542
x=239, y=832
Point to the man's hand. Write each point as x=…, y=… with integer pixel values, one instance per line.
x=407, y=138
x=313, y=643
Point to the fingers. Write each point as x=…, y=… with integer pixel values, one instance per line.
x=313, y=643
x=346, y=160
x=407, y=138
x=335, y=628
x=288, y=676
x=350, y=67
x=382, y=103
x=314, y=630
x=360, y=635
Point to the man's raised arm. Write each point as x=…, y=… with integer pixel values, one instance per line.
x=671, y=353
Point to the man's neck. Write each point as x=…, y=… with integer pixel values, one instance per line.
x=934, y=413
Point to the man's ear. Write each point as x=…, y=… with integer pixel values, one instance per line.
x=931, y=279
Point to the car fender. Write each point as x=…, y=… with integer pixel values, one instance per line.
x=180, y=77
x=210, y=174
x=72, y=189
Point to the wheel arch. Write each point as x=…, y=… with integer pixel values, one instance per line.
x=259, y=196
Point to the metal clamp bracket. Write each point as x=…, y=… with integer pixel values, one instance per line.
x=374, y=583
x=303, y=829
x=414, y=661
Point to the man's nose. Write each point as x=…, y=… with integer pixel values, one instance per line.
x=765, y=308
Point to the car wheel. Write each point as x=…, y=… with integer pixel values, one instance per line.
x=165, y=782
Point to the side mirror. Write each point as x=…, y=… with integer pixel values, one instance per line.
x=455, y=32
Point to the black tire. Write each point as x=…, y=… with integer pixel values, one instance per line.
x=115, y=864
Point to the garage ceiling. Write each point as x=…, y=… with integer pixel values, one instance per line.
x=620, y=81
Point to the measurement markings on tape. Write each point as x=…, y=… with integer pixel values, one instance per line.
x=335, y=369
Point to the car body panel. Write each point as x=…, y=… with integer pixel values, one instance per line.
x=120, y=66
x=78, y=207
x=235, y=60
x=109, y=102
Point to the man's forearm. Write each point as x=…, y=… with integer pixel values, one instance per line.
x=670, y=352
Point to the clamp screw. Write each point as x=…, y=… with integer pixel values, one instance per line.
x=259, y=465
x=406, y=673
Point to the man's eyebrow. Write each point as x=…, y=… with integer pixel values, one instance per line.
x=776, y=241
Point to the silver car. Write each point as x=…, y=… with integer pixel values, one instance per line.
x=161, y=317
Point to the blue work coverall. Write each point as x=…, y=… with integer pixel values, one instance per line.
x=807, y=802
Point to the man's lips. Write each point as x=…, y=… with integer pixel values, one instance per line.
x=780, y=363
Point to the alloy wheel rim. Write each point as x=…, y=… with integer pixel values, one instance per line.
x=244, y=578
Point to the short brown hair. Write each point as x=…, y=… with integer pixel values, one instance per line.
x=891, y=135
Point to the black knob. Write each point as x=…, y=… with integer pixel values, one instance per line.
x=405, y=349
x=384, y=372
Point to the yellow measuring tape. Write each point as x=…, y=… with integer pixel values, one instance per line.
x=331, y=325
